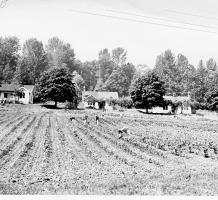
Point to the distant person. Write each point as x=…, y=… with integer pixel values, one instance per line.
x=72, y=118
x=85, y=119
x=97, y=119
x=123, y=131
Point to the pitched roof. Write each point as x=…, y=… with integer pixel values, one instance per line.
x=29, y=87
x=12, y=87
x=8, y=87
x=178, y=98
x=101, y=95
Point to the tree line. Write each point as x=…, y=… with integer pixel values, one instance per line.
x=110, y=72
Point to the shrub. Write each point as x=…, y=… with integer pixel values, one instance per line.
x=70, y=105
x=125, y=102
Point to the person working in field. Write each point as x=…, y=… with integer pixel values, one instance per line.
x=97, y=119
x=85, y=119
x=123, y=132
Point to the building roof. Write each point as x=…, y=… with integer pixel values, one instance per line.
x=101, y=95
x=12, y=87
x=178, y=98
x=8, y=87
x=28, y=87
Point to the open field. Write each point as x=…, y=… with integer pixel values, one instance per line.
x=43, y=152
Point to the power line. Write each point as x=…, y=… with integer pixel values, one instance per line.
x=140, y=21
x=162, y=19
x=189, y=14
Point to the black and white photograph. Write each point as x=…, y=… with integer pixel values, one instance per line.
x=109, y=97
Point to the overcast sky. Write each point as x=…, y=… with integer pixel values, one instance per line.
x=144, y=40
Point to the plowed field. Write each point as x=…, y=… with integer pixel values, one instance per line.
x=43, y=152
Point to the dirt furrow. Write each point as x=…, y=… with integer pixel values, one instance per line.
x=84, y=146
x=9, y=134
x=9, y=116
x=12, y=152
x=35, y=171
x=111, y=149
x=26, y=158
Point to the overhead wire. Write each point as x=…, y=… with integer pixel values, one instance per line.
x=190, y=14
x=161, y=19
x=140, y=21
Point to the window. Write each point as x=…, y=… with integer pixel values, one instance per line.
x=165, y=108
x=5, y=95
x=22, y=95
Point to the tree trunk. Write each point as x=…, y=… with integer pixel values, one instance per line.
x=147, y=110
x=56, y=103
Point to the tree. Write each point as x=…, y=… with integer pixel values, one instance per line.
x=148, y=91
x=166, y=69
x=34, y=61
x=56, y=85
x=119, y=56
x=60, y=54
x=200, y=82
x=211, y=65
x=79, y=83
x=99, y=85
x=105, y=65
x=184, y=76
x=9, y=56
x=120, y=80
x=212, y=99
x=89, y=74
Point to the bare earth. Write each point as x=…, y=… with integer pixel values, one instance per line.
x=43, y=152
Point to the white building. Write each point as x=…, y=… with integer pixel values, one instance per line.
x=14, y=93
x=27, y=92
x=178, y=105
x=98, y=100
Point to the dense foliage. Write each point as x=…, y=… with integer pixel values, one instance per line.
x=110, y=72
x=148, y=91
x=56, y=85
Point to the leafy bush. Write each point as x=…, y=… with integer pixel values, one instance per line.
x=199, y=106
x=125, y=102
x=70, y=105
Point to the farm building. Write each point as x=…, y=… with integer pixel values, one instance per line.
x=180, y=105
x=98, y=100
x=13, y=93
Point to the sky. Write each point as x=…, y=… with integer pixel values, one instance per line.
x=144, y=28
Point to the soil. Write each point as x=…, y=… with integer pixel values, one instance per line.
x=52, y=151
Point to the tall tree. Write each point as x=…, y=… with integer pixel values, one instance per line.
x=60, y=54
x=56, y=85
x=120, y=80
x=9, y=56
x=79, y=84
x=106, y=66
x=89, y=72
x=200, y=81
x=165, y=68
x=148, y=91
x=119, y=56
x=183, y=76
x=34, y=60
